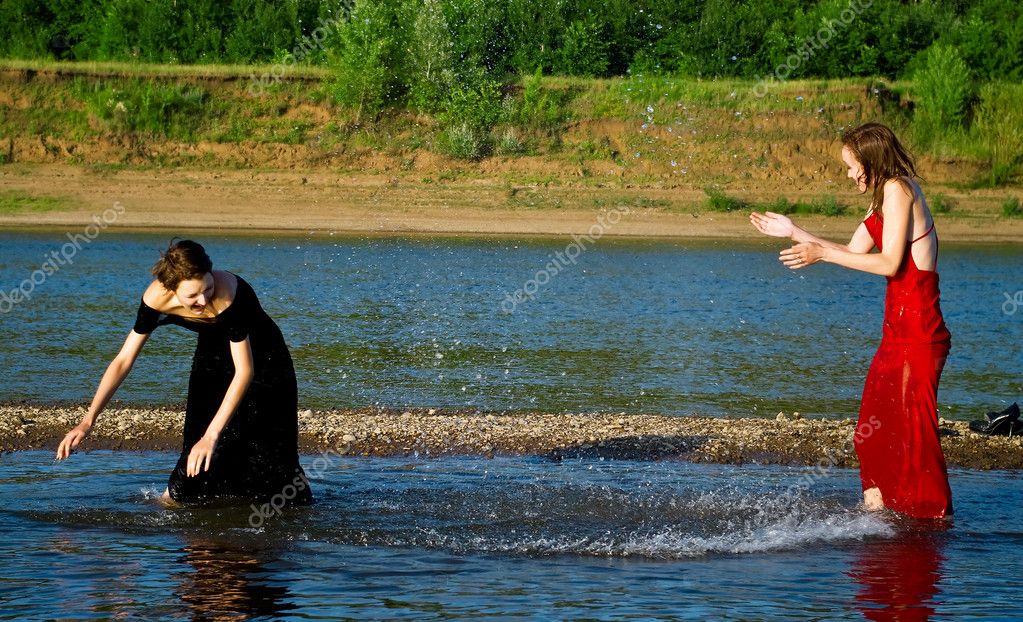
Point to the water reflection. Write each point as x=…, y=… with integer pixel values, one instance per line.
x=898, y=578
x=230, y=581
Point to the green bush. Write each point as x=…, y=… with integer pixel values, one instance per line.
x=472, y=108
x=883, y=37
x=465, y=142
x=149, y=108
x=600, y=149
x=1011, y=208
x=540, y=108
x=943, y=90
x=941, y=204
x=477, y=32
x=475, y=102
x=260, y=30
x=431, y=71
x=740, y=38
x=511, y=144
x=195, y=31
x=531, y=29
x=584, y=50
x=824, y=206
x=780, y=205
x=998, y=123
x=718, y=201
x=365, y=61
x=990, y=37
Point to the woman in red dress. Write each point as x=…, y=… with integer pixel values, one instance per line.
x=902, y=466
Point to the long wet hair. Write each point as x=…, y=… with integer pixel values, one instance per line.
x=882, y=157
x=183, y=260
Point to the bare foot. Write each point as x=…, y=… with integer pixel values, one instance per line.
x=872, y=500
x=166, y=501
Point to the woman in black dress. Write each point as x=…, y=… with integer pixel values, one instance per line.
x=241, y=419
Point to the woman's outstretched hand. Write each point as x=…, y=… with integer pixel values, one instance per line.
x=72, y=439
x=200, y=456
x=802, y=255
x=774, y=225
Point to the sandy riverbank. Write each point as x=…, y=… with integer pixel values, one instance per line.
x=321, y=202
x=786, y=439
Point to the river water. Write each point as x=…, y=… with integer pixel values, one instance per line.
x=679, y=327
x=522, y=538
x=638, y=327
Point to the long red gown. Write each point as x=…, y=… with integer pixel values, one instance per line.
x=896, y=437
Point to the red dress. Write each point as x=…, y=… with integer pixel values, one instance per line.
x=897, y=433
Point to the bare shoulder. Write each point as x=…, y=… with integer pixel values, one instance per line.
x=225, y=285
x=157, y=296
x=899, y=197
x=899, y=189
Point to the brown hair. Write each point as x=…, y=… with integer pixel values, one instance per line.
x=882, y=157
x=181, y=261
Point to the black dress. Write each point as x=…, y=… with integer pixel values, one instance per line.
x=256, y=456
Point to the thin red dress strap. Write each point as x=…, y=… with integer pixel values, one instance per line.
x=925, y=234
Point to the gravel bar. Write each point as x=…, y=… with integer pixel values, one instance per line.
x=787, y=438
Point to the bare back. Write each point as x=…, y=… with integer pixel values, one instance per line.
x=923, y=238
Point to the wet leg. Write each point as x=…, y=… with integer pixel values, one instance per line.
x=872, y=500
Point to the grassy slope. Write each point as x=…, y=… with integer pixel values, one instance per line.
x=641, y=132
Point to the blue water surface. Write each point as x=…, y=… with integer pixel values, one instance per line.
x=506, y=538
x=668, y=327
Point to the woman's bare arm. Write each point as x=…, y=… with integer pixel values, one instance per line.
x=116, y=372
x=778, y=225
x=860, y=242
x=897, y=208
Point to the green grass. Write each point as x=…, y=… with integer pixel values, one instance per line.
x=645, y=203
x=827, y=205
x=15, y=202
x=151, y=70
x=660, y=98
x=718, y=201
x=1011, y=208
x=941, y=204
x=655, y=116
